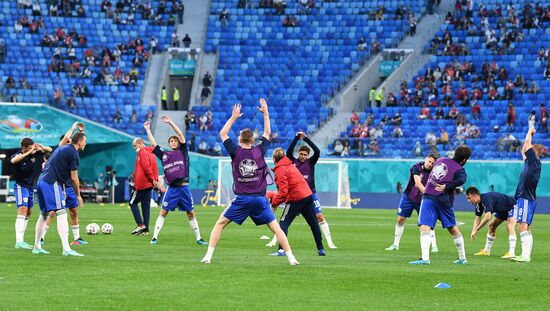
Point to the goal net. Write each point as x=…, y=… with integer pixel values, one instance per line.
x=331, y=181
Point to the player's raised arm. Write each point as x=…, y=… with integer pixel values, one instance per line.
x=67, y=138
x=147, y=127
x=316, y=150
x=179, y=133
x=528, y=142
x=236, y=113
x=44, y=149
x=418, y=183
x=267, y=123
x=290, y=149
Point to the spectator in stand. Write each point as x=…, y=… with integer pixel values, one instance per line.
x=224, y=17
x=378, y=132
x=443, y=138
x=203, y=147
x=354, y=118
x=71, y=103
x=190, y=118
x=417, y=150
x=412, y=25
x=117, y=117
x=500, y=144
x=424, y=113
x=473, y=131
x=397, y=132
x=362, y=44
x=543, y=125
x=450, y=153
x=10, y=83
x=176, y=39
x=439, y=114
x=511, y=117
x=14, y=98
x=134, y=117
x=81, y=12
x=476, y=110
x=396, y=119
x=3, y=50
x=509, y=140
x=533, y=88
x=453, y=112
x=430, y=139
x=186, y=41
x=57, y=96
x=180, y=11
x=547, y=71
x=203, y=123
x=205, y=93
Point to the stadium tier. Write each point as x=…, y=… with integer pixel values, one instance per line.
x=51, y=57
x=490, y=68
x=297, y=68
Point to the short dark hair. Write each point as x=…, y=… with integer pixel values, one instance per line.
x=247, y=137
x=304, y=148
x=26, y=142
x=174, y=137
x=46, y=156
x=462, y=154
x=433, y=156
x=77, y=137
x=472, y=191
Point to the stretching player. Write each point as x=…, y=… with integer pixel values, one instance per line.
x=294, y=190
x=62, y=165
x=71, y=200
x=176, y=171
x=306, y=166
x=526, y=194
x=502, y=207
x=437, y=203
x=411, y=198
x=23, y=174
x=250, y=173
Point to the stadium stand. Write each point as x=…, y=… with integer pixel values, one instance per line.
x=490, y=67
x=39, y=43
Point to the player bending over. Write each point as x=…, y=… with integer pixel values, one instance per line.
x=176, y=171
x=437, y=203
x=411, y=198
x=250, y=173
x=502, y=207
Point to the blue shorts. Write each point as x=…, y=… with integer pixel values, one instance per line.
x=406, y=207
x=317, y=204
x=257, y=207
x=179, y=197
x=431, y=211
x=525, y=210
x=50, y=197
x=504, y=215
x=70, y=197
x=24, y=196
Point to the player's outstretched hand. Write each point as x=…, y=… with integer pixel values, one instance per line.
x=473, y=236
x=263, y=106
x=80, y=126
x=532, y=131
x=166, y=119
x=80, y=201
x=147, y=125
x=236, y=113
x=440, y=188
x=75, y=125
x=301, y=135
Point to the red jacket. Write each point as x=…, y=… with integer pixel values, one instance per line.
x=287, y=176
x=146, y=170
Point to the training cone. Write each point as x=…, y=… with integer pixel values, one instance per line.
x=442, y=285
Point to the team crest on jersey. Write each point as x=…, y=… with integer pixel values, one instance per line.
x=25, y=200
x=248, y=167
x=165, y=204
x=440, y=171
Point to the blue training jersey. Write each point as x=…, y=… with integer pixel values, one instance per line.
x=494, y=202
x=60, y=164
x=529, y=177
x=23, y=171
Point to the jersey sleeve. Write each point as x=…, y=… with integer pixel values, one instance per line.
x=530, y=155
x=479, y=209
x=415, y=170
x=158, y=152
x=264, y=145
x=75, y=159
x=230, y=146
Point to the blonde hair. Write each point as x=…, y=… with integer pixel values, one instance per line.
x=538, y=149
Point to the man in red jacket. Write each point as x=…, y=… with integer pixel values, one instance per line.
x=145, y=178
x=293, y=189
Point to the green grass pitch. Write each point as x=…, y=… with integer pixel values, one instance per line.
x=124, y=272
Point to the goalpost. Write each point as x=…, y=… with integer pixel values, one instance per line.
x=331, y=181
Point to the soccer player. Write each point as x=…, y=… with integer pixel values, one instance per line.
x=145, y=178
x=250, y=174
x=62, y=165
x=23, y=165
x=294, y=190
x=71, y=201
x=176, y=171
x=526, y=194
x=502, y=207
x=411, y=198
x=437, y=203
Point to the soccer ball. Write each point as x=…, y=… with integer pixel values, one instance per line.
x=92, y=228
x=107, y=228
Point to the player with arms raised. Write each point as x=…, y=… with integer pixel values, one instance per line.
x=437, y=203
x=176, y=171
x=250, y=173
x=526, y=194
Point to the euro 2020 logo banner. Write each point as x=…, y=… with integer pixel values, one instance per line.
x=16, y=124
